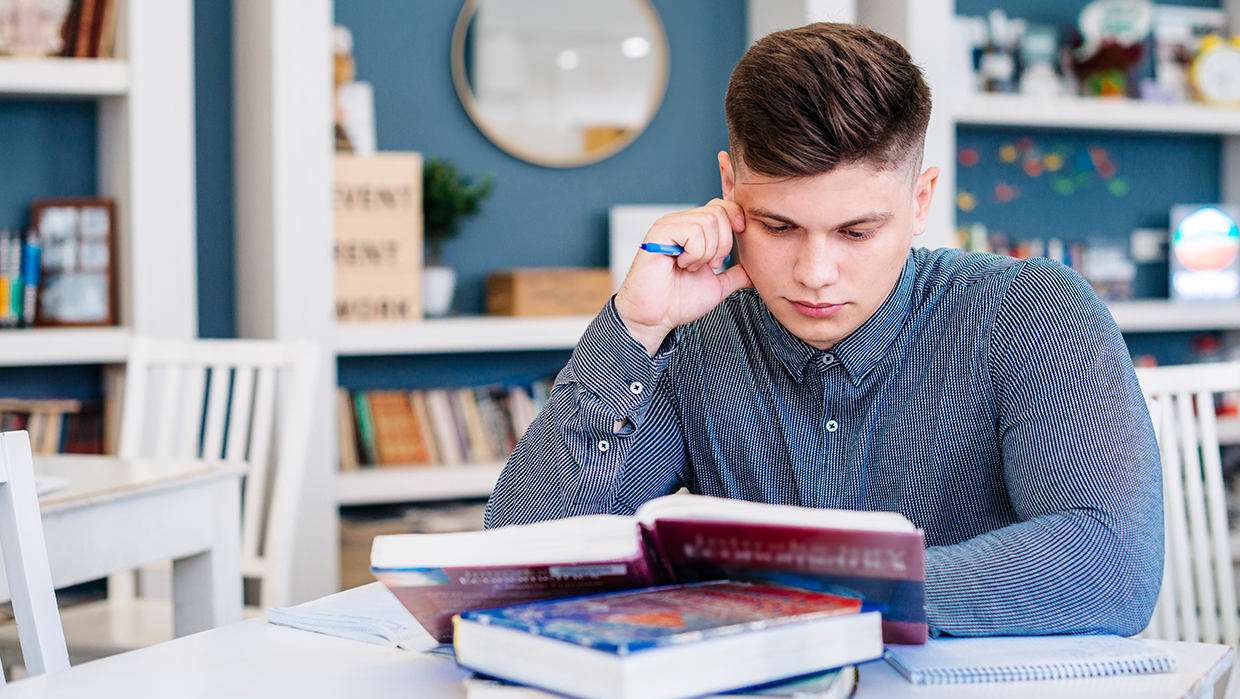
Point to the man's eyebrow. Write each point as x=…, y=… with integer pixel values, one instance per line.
x=871, y=217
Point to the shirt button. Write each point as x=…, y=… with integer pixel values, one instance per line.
x=635, y=387
x=832, y=425
x=828, y=359
x=603, y=445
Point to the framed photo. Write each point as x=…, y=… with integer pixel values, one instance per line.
x=78, y=239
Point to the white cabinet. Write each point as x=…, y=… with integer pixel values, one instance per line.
x=145, y=147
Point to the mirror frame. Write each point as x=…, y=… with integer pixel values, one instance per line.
x=658, y=90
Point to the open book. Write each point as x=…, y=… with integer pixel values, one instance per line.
x=876, y=556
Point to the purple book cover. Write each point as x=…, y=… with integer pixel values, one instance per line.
x=627, y=622
x=885, y=569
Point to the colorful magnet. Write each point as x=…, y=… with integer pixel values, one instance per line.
x=1052, y=162
x=1005, y=192
x=966, y=201
x=1024, y=145
x=1063, y=185
x=969, y=157
x=1008, y=153
x=1118, y=186
x=1033, y=167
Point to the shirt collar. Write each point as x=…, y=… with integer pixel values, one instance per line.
x=860, y=351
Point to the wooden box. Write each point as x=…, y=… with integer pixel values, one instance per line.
x=559, y=291
x=378, y=204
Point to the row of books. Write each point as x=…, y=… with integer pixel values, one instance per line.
x=89, y=30
x=19, y=277
x=445, y=426
x=55, y=426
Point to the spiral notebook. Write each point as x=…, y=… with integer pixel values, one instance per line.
x=1014, y=659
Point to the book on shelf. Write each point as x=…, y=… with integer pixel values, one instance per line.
x=19, y=277
x=668, y=642
x=398, y=437
x=1014, y=659
x=89, y=29
x=839, y=683
x=441, y=426
x=878, y=557
x=56, y=426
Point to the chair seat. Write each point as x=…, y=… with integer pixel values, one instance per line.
x=108, y=627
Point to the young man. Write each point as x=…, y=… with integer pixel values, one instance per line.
x=991, y=401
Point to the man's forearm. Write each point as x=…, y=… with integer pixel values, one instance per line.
x=1069, y=572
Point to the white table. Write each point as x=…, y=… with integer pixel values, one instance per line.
x=117, y=515
x=256, y=659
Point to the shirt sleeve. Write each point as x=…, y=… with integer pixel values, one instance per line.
x=1083, y=476
x=572, y=460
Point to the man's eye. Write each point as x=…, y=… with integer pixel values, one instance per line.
x=776, y=228
x=857, y=235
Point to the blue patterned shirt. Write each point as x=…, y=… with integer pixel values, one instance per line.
x=991, y=401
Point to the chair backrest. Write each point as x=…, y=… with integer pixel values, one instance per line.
x=1198, y=597
x=245, y=401
x=25, y=560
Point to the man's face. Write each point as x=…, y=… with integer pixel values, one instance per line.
x=825, y=251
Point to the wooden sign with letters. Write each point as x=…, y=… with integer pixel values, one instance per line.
x=378, y=204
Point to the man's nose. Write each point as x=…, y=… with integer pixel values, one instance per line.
x=817, y=264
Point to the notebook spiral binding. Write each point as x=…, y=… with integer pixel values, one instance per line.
x=1064, y=671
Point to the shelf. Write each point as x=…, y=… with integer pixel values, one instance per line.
x=66, y=77
x=382, y=485
x=1172, y=316
x=463, y=334
x=40, y=346
x=1095, y=113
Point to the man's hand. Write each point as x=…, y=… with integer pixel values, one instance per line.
x=662, y=292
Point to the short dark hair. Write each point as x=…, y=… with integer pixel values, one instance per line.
x=809, y=100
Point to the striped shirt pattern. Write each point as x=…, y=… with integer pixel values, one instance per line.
x=991, y=401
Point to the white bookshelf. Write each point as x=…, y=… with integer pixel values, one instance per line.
x=48, y=346
x=461, y=334
x=1095, y=114
x=381, y=485
x=145, y=155
x=64, y=77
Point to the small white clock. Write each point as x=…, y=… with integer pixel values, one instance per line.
x=1216, y=71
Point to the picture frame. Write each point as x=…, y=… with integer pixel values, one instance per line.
x=78, y=278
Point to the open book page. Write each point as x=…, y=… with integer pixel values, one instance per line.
x=955, y=660
x=375, y=617
x=706, y=508
x=833, y=684
x=572, y=540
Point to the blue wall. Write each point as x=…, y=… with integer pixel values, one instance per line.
x=544, y=216
x=213, y=121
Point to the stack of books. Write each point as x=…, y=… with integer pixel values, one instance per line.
x=689, y=596
x=447, y=426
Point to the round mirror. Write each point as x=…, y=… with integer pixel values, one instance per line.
x=560, y=82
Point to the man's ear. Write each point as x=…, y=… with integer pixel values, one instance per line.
x=727, y=175
x=923, y=192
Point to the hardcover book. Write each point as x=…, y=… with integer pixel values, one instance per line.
x=877, y=557
x=668, y=642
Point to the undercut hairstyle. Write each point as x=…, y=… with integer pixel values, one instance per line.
x=806, y=101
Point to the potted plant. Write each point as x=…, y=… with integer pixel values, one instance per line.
x=448, y=198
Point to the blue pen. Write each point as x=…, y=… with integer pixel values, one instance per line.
x=661, y=249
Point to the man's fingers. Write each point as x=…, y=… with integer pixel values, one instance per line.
x=733, y=279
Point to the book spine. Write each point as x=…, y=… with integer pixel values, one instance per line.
x=417, y=399
x=32, y=261
x=461, y=428
x=85, y=29
x=365, y=428
x=347, y=430
x=491, y=429
x=7, y=284
x=440, y=410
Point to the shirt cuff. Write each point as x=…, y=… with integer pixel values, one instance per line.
x=615, y=367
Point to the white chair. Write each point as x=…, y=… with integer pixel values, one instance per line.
x=1198, y=597
x=247, y=401
x=25, y=560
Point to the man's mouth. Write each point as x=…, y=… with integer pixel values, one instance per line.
x=816, y=310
